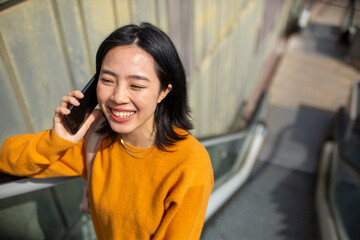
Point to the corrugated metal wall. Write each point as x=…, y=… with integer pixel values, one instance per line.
x=48, y=47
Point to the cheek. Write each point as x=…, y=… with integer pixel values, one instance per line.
x=154, y=98
x=145, y=102
x=101, y=94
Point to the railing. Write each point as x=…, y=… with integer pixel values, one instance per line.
x=248, y=143
x=25, y=185
x=338, y=188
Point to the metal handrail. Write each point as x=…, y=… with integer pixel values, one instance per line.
x=259, y=117
x=25, y=185
x=353, y=108
x=238, y=177
x=354, y=114
x=326, y=223
x=223, y=139
x=333, y=155
x=229, y=184
x=340, y=229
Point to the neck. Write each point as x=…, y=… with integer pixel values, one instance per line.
x=142, y=140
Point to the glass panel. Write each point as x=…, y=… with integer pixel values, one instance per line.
x=347, y=199
x=351, y=150
x=51, y=213
x=223, y=156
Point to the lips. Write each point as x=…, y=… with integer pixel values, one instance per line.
x=121, y=115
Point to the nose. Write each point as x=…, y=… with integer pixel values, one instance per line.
x=120, y=95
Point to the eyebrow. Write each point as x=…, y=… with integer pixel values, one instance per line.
x=135, y=76
x=108, y=72
x=138, y=77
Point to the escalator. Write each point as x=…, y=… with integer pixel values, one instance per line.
x=277, y=199
x=338, y=188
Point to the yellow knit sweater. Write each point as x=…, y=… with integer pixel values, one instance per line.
x=157, y=195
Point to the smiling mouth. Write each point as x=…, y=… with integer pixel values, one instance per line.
x=121, y=114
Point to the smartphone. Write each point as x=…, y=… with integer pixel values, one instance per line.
x=87, y=104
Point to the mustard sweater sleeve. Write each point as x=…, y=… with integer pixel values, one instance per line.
x=41, y=155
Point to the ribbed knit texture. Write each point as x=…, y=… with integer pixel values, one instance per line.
x=157, y=195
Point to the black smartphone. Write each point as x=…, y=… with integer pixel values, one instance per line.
x=87, y=104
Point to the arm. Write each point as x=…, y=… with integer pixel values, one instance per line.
x=184, y=220
x=41, y=155
x=51, y=153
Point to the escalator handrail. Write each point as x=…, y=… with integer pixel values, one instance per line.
x=342, y=134
x=223, y=139
x=259, y=116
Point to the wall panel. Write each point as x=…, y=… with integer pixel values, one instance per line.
x=99, y=19
x=36, y=42
x=162, y=15
x=75, y=41
x=11, y=120
x=144, y=11
x=198, y=25
x=51, y=46
x=123, y=10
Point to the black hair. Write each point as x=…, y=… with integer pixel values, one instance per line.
x=173, y=110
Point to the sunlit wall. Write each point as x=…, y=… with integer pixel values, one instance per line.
x=47, y=49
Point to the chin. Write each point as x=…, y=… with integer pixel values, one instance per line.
x=120, y=129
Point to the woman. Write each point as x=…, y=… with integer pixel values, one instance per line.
x=150, y=178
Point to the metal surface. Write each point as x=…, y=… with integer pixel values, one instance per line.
x=221, y=194
x=26, y=185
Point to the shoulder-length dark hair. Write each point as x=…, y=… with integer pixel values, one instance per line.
x=173, y=111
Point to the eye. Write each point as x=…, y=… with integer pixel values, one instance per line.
x=136, y=87
x=106, y=81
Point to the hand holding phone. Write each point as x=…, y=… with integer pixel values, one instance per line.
x=76, y=110
x=79, y=114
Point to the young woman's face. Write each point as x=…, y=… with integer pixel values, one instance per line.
x=129, y=90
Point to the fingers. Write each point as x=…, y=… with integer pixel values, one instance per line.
x=59, y=124
x=76, y=93
x=62, y=111
x=66, y=101
x=71, y=99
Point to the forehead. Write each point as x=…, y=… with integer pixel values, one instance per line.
x=130, y=56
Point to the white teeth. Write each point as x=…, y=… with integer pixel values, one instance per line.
x=122, y=114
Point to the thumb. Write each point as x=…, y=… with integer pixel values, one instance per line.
x=90, y=120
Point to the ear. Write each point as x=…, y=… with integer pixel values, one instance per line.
x=164, y=93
